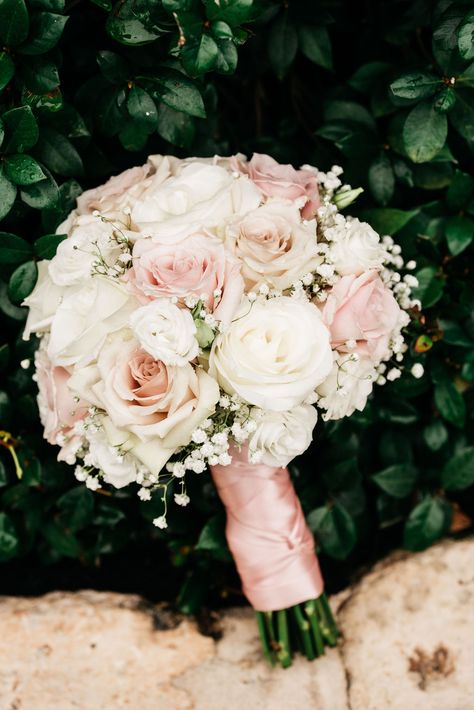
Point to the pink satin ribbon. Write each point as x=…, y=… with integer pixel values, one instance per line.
x=272, y=546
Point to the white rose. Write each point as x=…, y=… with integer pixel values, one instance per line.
x=274, y=353
x=273, y=245
x=43, y=302
x=119, y=469
x=347, y=387
x=85, y=317
x=92, y=244
x=166, y=332
x=202, y=195
x=355, y=248
x=280, y=436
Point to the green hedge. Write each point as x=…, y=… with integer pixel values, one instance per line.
x=386, y=91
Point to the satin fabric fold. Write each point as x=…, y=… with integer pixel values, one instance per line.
x=272, y=545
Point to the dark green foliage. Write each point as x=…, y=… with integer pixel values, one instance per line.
x=88, y=89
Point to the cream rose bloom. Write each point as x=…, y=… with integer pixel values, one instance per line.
x=273, y=245
x=280, y=436
x=274, y=353
x=42, y=302
x=166, y=332
x=347, y=387
x=150, y=408
x=201, y=196
x=85, y=317
x=355, y=248
x=91, y=244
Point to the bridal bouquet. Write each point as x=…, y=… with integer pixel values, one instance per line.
x=202, y=312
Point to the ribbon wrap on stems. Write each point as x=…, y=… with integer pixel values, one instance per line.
x=270, y=541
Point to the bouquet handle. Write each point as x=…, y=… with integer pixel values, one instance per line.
x=275, y=556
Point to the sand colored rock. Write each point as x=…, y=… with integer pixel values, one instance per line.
x=408, y=643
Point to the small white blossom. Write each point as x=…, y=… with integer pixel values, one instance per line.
x=410, y=264
x=199, y=436
x=160, y=522
x=181, y=499
x=393, y=374
x=144, y=494
x=92, y=483
x=417, y=370
x=25, y=364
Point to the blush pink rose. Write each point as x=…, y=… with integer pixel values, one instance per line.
x=59, y=409
x=144, y=396
x=363, y=309
x=275, y=180
x=197, y=265
x=106, y=197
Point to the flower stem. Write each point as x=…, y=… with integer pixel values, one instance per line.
x=304, y=628
x=264, y=637
x=283, y=653
x=310, y=610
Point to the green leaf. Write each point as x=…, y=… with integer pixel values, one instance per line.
x=459, y=234
x=235, y=12
x=41, y=194
x=46, y=29
x=212, y=538
x=40, y=75
x=462, y=114
x=126, y=26
x=450, y=403
x=9, y=543
x=445, y=38
x=58, y=153
x=45, y=247
x=7, y=194
x=454, y=334
x=13, y=249
x=282, y=44
x=397, y=480
x=334, y=530
x=200, y=56
x=427, y=522
x=76, y=508
x=7, y=69
x=381, y=179
x=435, y=435
x=465, y=34
x=62, y=540
x=14, y=22
x=133, y=136
x=458, y=473
x=430, y=286
x=368, y=76
x=415, y=85
x=142, y=109
x=175, y=127
x=176, y=91
x=460, y=191
x=445, y=99
x=22, y=169
x=387, y=220
x=227, y=56
x=113, y=67
x=22, y=130
x=3, y=472
x=315, y=44
x=22, y=282
x=424, y=132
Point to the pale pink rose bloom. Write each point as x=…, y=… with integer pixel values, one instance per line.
x=141, y=394
x=106, y=197
x=273, y=245
x=275, y=180
x=58, y=408
x=197, y=265
x=363, y=309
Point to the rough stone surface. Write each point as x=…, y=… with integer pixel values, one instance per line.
x=408, y=643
